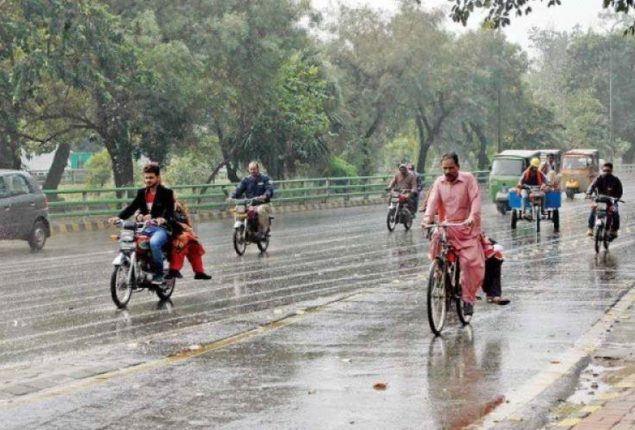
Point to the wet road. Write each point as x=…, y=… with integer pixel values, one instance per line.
x=295, y=338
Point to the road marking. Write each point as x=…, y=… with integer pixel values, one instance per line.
x=177, y=357
x=587, y=344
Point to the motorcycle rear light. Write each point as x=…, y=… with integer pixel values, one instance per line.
x=403, y=199
x=451, y=257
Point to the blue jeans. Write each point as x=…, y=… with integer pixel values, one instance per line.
x=158, y=239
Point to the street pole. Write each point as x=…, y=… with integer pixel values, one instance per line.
x=498, y=92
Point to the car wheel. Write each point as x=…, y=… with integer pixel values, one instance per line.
x=38, y=236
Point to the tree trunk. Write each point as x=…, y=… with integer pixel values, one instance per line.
x=368, y=166
x=122, y=165
x=56, y=171
x=424, y=145
x=9, y=153
x=483, y=161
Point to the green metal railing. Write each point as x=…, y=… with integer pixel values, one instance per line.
x=106, y=202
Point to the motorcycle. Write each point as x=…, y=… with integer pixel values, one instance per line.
x=398, y=211
x=604, y=207
x=246, y=226
x=133, y=265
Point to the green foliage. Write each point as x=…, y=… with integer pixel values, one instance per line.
x=499, y=12
x=338, y=167
x=99, y=167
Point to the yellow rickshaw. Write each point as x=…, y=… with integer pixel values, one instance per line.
x=579, y=168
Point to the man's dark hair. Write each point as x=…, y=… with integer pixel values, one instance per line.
x=450, y=156
x=608, y=164
x=152, y=168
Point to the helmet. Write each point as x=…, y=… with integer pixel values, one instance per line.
x=535, y=162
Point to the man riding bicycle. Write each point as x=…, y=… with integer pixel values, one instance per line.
x=455, y=197
x=531, y=177
x=609, y=185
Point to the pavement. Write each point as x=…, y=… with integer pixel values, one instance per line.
x=605, y=397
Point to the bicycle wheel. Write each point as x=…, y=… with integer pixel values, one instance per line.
x=599, y=235
x=437, y=296
x=458, y=296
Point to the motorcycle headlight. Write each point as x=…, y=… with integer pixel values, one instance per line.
x=126, y=236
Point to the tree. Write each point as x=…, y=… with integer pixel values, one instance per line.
x=99, y=168
x=499, y=11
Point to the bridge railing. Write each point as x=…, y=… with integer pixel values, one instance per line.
x=104, y=202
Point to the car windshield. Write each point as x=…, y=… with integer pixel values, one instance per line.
x=507, y=167
x=576, y=162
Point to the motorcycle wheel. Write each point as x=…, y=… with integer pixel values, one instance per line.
x=165, y=291
x=538, y=215
x=555, y=217
x=263, y=244
x=501, y=207
x=407, y=217
x=391, y=219
x=120, y=290
x=514, y=218
x=599, y=235
x=240, y=244
x=570, y=194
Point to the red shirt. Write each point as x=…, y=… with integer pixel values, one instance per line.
x=150, y=195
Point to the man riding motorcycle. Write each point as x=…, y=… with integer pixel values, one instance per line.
x=532, y=177
x=154, y=202
x=407, y=182
x=609, y=185
x=411, y=169
x=257, y=186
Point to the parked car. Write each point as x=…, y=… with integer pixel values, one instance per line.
x=23, y=209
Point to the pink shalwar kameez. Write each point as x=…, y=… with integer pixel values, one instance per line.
x=455, y=202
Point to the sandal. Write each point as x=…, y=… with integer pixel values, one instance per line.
x=498, y=301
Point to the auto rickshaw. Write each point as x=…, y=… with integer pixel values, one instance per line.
x=507, y=167
x=580, y=167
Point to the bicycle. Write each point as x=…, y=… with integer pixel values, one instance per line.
x=444, y=281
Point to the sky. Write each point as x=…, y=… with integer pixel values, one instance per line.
x=564, y=17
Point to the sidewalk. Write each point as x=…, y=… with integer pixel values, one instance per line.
x=614, y=407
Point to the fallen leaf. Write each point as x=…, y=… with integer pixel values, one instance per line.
x=555, y=362
x=380, y=386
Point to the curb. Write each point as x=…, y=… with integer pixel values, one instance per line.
x=62, y=227
x=512, y=413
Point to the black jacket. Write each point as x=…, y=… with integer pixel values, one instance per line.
x=163, y=206
x=608, y=185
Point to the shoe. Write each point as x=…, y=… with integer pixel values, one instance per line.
x=498, y=301
x=173, y=274
x=158, y=279
x=468, y=308
x=202, y=275
x=589, y=232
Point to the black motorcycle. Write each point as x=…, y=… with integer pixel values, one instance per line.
x=398, y=210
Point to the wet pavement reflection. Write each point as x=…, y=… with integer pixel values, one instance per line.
x=297, y=337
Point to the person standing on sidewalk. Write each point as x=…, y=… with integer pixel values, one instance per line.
x=456, y=198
